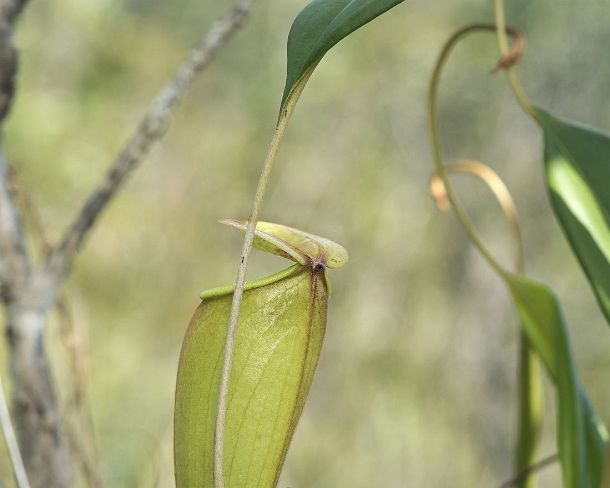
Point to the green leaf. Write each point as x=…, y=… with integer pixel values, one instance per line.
x=581, y=436
x=606, y=476
x=277, y=346
x=321, y=25
x=577, y=162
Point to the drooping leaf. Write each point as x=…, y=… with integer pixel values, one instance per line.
x=577, y=162
x=278, y=341
x=301, y=247
x=321, y=25
x=581, y=436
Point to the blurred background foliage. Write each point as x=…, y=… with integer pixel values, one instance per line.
x=416, y=382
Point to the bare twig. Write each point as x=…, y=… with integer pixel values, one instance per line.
x=32, y=219
x=14, y=260
x=29, y=294
x=10, y=10
x=35, y=410
x=11, y=443
x=77, y=416
x=14, y=263
x=151, y=128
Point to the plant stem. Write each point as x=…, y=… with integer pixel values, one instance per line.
x=436, y=150
x=529, y=396
x=499, y=190
x=11, y=442
x=529, y=376
x=529, y=380
x=530, y=410
x=529, y=401
x=511, y=76
x=227, y=364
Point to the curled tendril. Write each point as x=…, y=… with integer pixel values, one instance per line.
x=508, y=59
x=512, y=57
x=496, y=186
x=530, y=401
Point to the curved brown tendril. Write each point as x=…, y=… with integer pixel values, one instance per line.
x=506, y=60
x=530, y=406
x=497, y=187
x=509, y=59
x=514, y=55
x=505, y=51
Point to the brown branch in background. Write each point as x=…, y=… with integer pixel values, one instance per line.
x=77, y=416
x=9, y=12
x=8, y=69
x=34, y=407
x=14, y=261
x=28, y=295
x=151, y=128
x=525, y=474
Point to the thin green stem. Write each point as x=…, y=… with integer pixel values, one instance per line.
x=11, y=443
x=227, y=364
x=529, y=383
x=499, y=190
x=529, y=396
x=436, y=149
x=511, y=76
x=529, y=403
x=529, y=375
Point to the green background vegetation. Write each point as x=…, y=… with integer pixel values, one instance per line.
x=416, y=382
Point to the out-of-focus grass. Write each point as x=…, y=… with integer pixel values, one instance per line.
x=416, y=380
